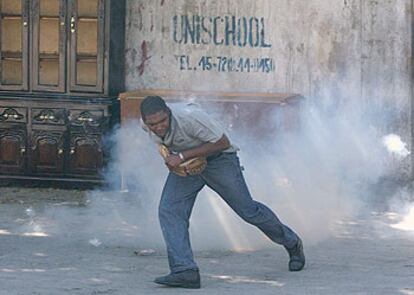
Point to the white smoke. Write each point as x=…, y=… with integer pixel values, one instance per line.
x=407, y=222
x=313, y=175
x=395, y=145
x=400, y=206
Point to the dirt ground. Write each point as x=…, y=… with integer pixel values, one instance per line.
x=365, y=256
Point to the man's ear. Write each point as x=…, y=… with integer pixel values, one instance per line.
x=168, y=111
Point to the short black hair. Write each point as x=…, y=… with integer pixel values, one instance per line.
x=153, y=104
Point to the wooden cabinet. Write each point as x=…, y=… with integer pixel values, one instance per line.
x=64, y=142
x=62, y=46
x=61, y=69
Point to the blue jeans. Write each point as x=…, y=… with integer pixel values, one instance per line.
x=224, y=176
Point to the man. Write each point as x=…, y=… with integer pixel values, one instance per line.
x=191, y=134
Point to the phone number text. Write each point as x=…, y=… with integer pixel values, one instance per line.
x=226, y=64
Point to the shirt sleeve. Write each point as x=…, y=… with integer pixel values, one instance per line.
x=203, y=127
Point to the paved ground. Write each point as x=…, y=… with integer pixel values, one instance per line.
x=50, y=245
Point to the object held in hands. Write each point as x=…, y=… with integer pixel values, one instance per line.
x=190, y=167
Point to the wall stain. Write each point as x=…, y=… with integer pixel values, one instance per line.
x=152, y=23
x=162, y=2
x=140, y=17
x=144, y=57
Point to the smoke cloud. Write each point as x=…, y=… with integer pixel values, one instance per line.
x=330, y=167
x=312, y=176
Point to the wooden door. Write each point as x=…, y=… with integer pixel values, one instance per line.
x=14, y=44
x=86, y=155
x=86, y=45
x=12, y=149
x=49, y=45
x=47, y=151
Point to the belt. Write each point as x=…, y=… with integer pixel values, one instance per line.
x=216, y=155
x=213, y=156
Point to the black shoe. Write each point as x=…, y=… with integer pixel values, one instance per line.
x=297, y=257
x=184, y=279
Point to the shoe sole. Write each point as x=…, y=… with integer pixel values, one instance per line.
x=298, y=269
x=178, y=285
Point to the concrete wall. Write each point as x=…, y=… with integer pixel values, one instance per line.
x=332, y=51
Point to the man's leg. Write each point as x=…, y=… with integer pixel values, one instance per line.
x=223, y=175
x=175, y=208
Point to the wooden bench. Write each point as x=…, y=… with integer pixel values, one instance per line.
x=248, y=111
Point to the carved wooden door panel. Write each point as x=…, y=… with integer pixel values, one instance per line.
x=14, y=44
x=49, y=45
x=47, y=151
x=86, y=155
x=12, y=150
x=87, y=45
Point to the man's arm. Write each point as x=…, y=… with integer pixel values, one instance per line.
x=200, y=151
x=207, y=148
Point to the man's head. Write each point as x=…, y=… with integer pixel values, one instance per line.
x=156, y=115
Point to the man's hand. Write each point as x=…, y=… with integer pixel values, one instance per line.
x=179, y=166
x=172, y=161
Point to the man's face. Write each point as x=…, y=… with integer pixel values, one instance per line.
x=158, y=123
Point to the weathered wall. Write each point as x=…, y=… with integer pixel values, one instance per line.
x=332, y=51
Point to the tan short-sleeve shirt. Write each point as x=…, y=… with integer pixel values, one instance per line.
x=190, y=127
